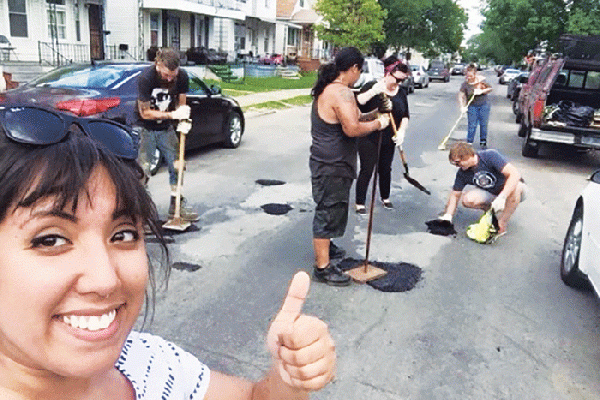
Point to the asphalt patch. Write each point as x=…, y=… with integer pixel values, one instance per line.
x=400, y=277
x=269, y=182
x=184, y=266
x=440, y=227
x=276, y=208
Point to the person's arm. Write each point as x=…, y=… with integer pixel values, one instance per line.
x=377, y=88
x=348, y=114
x=303, y=356
x=512, y=180
x=146, y=112
x=462, y=100
x=451, y=205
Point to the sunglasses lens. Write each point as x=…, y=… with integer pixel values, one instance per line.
x=33, y=126
x=114, y=137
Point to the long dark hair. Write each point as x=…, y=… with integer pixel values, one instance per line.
x=61, y=171
x=343, y=61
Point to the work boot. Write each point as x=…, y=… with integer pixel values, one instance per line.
x=335, y=251
x=331, y=275
x=186, y=213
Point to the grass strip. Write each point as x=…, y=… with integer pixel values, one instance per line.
x=280, y=104
x=256, y=85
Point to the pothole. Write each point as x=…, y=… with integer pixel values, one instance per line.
x=276, y=208
x=269, y=182
x=400, y=277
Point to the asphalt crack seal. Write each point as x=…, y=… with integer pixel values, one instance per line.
x=276, y=208
x=400, y=277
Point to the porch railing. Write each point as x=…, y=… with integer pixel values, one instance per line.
x=67, y=53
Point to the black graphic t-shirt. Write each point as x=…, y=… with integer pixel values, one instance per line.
x=161, y=95
x=486, y=174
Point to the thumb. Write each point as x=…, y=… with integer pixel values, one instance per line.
x=290, y=310
x=295, y=298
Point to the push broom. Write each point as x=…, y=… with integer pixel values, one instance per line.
x=442, y=145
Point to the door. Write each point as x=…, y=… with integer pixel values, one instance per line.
x=173, y=25
x=208, y=112
x=96, y=34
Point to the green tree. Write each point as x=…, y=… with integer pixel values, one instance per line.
x=356, y=23
x=430, y=26
x=521, y=25
x=584, y=17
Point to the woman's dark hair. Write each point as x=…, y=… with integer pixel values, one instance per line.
x=343, y=61
x=399, y=65
x=29, y=174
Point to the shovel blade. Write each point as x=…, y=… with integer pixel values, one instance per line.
x=177, y=224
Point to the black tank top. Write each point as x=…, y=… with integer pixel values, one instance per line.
x=332, y=152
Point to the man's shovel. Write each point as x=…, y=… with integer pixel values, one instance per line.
x=177, y=223
x=410, y=180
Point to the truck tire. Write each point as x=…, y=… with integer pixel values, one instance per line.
x=530, y=147
x=522, y=127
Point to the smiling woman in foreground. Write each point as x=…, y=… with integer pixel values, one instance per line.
x=74, y=276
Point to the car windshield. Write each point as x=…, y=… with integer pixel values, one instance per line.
x=91, y=76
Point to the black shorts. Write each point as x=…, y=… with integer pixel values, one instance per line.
x=332, y=194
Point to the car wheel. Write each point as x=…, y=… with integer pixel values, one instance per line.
x=522, y=128
x=515, y=107
x=569, y=262
x=158, y=162
x=233, y=131
x=530, y=147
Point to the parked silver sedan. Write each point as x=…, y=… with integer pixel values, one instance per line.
x=420, y=76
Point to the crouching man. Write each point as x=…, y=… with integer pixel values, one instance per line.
x=484, y=179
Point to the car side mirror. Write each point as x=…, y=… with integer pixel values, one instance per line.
x=215, y=90
x=595, y=177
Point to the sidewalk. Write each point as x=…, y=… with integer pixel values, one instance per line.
x=256, y=98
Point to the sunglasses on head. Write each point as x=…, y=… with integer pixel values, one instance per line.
x=42, y=127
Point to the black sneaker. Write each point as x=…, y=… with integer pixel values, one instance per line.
x=335, y=251
x=331, y=275
x=483, y=145
x=387, y=204
x=360, y=209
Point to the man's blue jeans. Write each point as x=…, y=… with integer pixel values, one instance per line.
x=166, y=141
x=478, y=115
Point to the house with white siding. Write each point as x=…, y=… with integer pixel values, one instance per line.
x=296, y=37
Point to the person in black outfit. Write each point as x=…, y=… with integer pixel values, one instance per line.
x=335, y=124
x=395, y=73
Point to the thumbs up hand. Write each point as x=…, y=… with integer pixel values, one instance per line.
x=302, y=348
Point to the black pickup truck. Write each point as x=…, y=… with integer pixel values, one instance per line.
x=562, y=104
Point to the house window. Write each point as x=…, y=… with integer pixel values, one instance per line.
x=301, y=3
x=17, y=17
x=293, y=36
x=266, y=40
x=267, y=3
x=57, y=19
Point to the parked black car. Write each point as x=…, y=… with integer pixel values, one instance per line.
x=204, y=56
x=109, y=90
